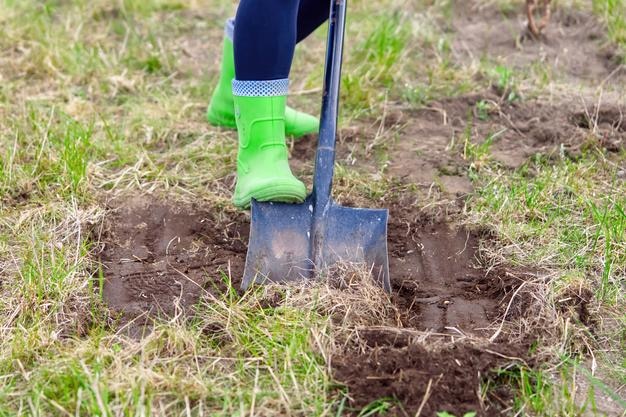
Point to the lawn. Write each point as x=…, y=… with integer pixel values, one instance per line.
x=501, y=158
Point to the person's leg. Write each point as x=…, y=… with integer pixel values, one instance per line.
x=264, y=41
x=265, y=38
x=310, y=14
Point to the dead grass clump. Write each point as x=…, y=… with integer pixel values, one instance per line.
x=346, y=293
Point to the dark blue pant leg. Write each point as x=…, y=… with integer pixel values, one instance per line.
x=265, y=38
x=266, y=32
x=311, y=15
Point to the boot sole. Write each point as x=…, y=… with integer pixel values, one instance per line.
x=275, y=193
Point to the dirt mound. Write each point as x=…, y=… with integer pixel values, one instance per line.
x=573, y=45
x=444, y=378
x=158, y=257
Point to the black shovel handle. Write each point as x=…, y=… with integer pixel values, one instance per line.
x=325, y=156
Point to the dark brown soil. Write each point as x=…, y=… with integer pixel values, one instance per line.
x=158, y=257
x=439, y=286
x=437, y=279
x=438, y=378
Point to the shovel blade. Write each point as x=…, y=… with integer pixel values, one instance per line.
x=288, y=244
x=279, y=248
x=355, y=236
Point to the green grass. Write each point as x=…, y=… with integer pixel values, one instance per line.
x=570, y=215
x=103, y=99
x=613, y=12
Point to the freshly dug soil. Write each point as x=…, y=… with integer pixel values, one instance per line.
x=158, y=257
x=438, y=283
x=430, y=379
x=439, y=286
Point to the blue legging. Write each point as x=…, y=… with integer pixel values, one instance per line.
x=266, y=33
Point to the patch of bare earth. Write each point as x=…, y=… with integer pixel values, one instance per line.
x=159, y=258
x=445, y=343
x=518, y=130
x=573, y=45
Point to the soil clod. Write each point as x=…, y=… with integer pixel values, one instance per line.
x=444, y=378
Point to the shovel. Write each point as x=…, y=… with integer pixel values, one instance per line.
x=294, y=242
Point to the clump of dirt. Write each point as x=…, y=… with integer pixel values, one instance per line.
x=439, y=378
x=158, y=257
x=574, y=44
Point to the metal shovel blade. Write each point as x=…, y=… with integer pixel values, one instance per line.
x=287, y=243
x=294, y=242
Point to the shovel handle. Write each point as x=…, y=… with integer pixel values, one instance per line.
x=325, y=155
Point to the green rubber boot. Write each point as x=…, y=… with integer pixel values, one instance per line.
x=221, y=111
x=263, y=171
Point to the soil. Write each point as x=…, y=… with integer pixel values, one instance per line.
x=159, y=257
x=439, y=286
x=426, y=378
x=438, y=282
x=573, y=45
x=428, y=149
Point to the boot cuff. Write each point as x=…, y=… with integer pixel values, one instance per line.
x=229, y=28
x=262, y=88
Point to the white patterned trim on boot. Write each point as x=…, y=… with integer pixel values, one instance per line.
x=261, y=88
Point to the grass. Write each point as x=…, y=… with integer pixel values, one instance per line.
x=613, y=11
x=570, y=215
x=101, y=100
